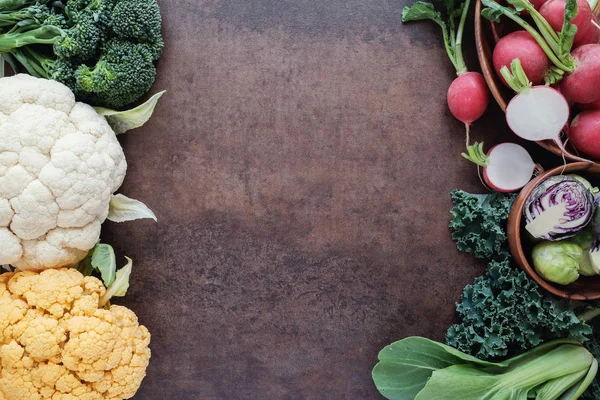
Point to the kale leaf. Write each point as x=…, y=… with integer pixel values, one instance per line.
x=478, y=224
x=504, y=312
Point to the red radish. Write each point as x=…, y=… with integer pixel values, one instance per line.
x=592, y=36
x=538, y=113
x=537, y=3
x=583, y=84
x=521, y=45
x=579, y=70
x=535, y=113
x=585, y=133
x=468, y=97
x=507, y=167
x=590, y=106
x=554, y=12
x=468, y=94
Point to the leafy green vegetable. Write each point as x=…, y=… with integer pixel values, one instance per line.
x=478, y=224
x=120, y=285
x=418, y=368
x=123, y=209
x=102, y=259
x=123, y=121
x=455, y=12
x=504, y=312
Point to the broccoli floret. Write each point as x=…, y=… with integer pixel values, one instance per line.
x=137, y=19
x=123, y=74
x=35, y=14
x=99, y=10
x=81, y=40
x=57, y=20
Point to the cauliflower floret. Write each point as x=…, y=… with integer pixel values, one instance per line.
x=55, y=343
x=60, y=162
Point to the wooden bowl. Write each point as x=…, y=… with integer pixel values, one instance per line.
x=585, y=288
x=487, y=35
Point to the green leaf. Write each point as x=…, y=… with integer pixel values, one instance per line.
x=123, y=209
x=422, y=11
x=120, y=285
x=478, y=223
x=406, y=365
x=421, y=369
x=123, y=121
x=104, y=261
x=521, y=5
x=491, y=14
x=568, y=31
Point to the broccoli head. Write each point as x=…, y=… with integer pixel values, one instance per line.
x=81, y=40
x=137, y=19
x=104, y=50
x=123, y=74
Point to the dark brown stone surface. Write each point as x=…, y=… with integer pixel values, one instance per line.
x=300, y=166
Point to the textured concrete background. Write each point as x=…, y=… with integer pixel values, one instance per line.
x=300, y=166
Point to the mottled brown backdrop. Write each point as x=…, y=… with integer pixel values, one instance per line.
x=300, y=166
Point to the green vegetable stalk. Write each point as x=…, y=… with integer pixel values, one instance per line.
x=421, y=369
x=453, y=36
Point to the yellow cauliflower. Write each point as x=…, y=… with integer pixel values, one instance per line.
x=56, y=343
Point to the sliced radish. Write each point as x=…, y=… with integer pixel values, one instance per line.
x=536, y=113
x=507, y=167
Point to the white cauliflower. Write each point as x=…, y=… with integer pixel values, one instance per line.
x=60, y=162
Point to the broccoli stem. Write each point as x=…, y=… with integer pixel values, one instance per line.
x=35, y=63
x=15, y=39
x=8, y=5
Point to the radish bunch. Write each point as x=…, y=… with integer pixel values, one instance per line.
x=468, y=95
x=563, y=52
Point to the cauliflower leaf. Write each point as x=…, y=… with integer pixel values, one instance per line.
x=123, y=121
x=123, y=209
x=119, y=287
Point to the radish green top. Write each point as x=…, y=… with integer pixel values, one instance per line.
x=453, y=35
x=516, y=77
x=557, y=46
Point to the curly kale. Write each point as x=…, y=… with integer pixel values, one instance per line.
x=505, y=312
x=478, y=224
x=104, y=50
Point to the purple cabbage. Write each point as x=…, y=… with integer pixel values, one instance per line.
x=564, y=192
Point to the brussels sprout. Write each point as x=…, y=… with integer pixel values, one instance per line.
x=585, y=240
x=557, y=262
